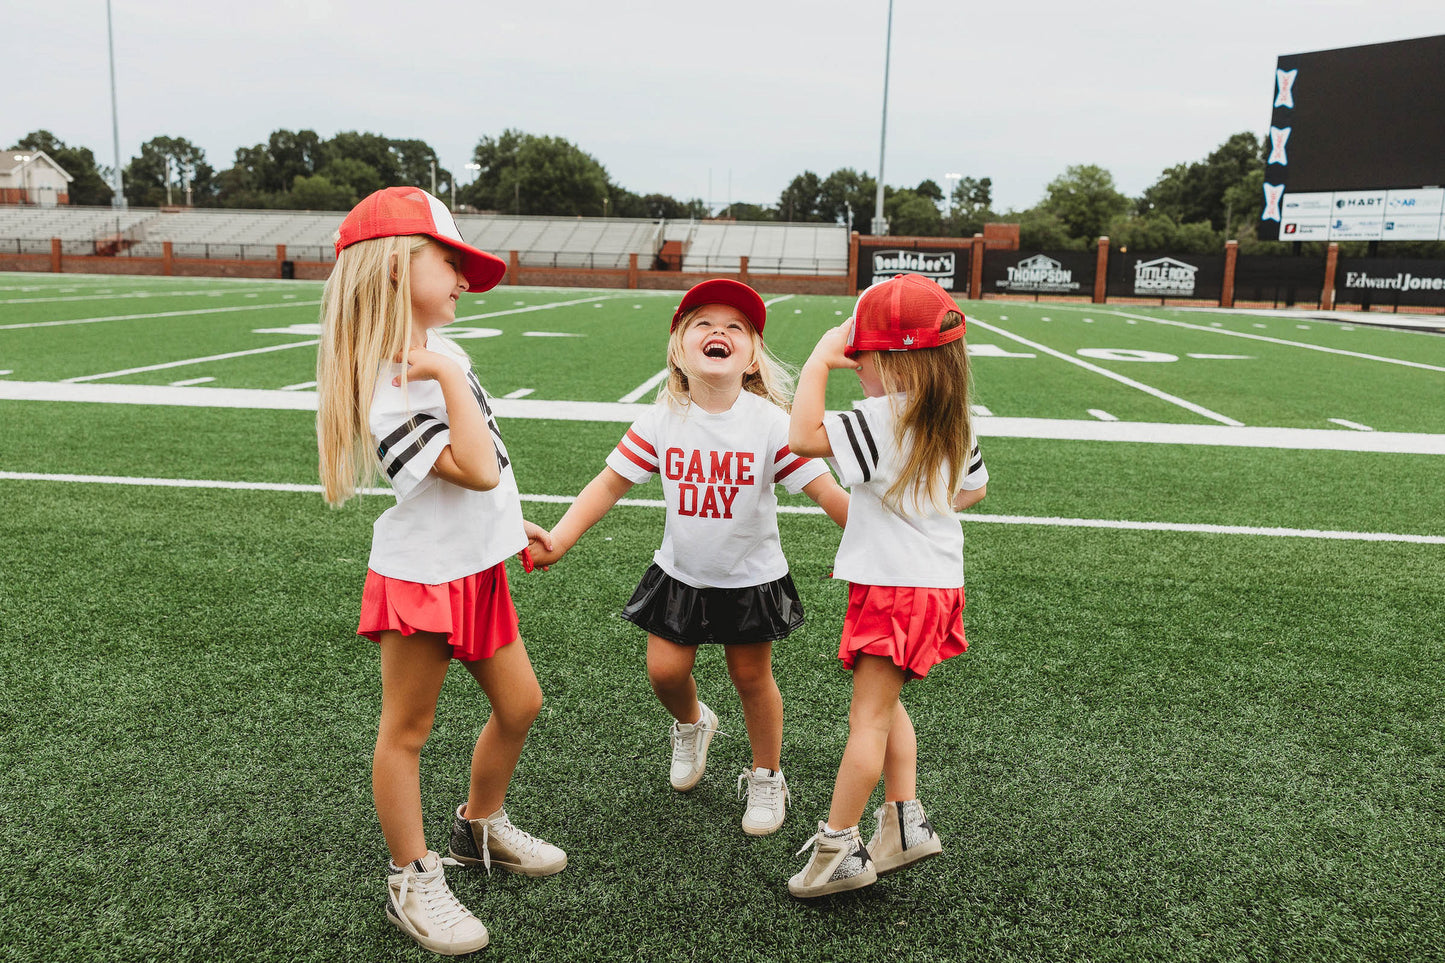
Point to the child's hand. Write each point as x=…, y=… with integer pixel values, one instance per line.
x=829, y=349
x=540, y=545
x=424, y=365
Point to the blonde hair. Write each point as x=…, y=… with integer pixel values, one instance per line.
x=773, y=380
x=934, y=428
x=365, y=320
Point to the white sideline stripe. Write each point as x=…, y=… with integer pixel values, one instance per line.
x=159, y=314
x=1262, y=337
x=975, y=519
x=1349, y=424
x=1058, y=429
x=109, y=297
x=1130, y=382
x=643, y=388
x=188, y=361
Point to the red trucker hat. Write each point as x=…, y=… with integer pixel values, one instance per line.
x=900, y=314
x=398, y=211
x=734, y=294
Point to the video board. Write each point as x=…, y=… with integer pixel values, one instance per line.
x=1357, y=144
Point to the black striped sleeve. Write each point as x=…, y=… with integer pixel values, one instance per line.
x=407, y=441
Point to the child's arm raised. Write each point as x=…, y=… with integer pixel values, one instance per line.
x=831, y=497
x=470, y=459
x=806, y=435
x=591, y=504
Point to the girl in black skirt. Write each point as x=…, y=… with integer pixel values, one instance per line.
x=718, y=438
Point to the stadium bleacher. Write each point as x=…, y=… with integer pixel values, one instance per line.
x=707, y=246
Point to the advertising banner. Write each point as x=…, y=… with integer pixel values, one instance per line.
x=1194, y=276
x=1039, y=272
x=1381, y=281
x=946, y=265
x=1279, y=279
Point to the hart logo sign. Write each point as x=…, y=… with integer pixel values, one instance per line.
x=940, y=266
x=1038, y=274
x=1165, y=276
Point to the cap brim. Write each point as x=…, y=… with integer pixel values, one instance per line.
x=483, y=271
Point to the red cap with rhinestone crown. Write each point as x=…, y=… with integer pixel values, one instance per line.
x=400, y=211
x=900, y=314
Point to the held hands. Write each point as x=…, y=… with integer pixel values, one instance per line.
x=829, y=349
x=540, y=546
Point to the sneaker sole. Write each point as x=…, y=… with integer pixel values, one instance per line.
x=441, y=949
x=905, y=859
x=701, y=758
x=762, y=830
x=547, y=869
x=836, y=885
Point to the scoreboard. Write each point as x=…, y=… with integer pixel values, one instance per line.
x=1357, y=145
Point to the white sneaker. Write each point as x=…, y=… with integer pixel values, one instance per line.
x=689, y=748
x=421, y=905
x=839, y=863
x=903, y=837
x=767, y=801
x=495, y=841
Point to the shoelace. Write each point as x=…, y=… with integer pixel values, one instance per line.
x=686, y=742
x=763, y=791
x=441, y=904
x=813, y=839
x=519, y=839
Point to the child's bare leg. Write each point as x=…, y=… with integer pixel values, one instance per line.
x=900, y=759
x=511, y=686
x=412, y=670
x=669, y=669
x=876, y=684
x=751, y=669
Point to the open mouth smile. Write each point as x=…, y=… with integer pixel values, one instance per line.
x=716, y=348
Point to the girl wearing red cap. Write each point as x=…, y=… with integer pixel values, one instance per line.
x=910, y=459
x=717, y=437
x=396, y=397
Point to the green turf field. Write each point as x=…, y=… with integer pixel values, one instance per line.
x=1200, y=717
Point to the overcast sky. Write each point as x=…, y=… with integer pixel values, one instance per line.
x=718, y=101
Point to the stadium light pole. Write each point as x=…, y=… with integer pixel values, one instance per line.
x=117, y=199
x=880, y=222
x=952, y=181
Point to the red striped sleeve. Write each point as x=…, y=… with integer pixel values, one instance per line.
x=642, y=445
x=788, y=469
x=637, y=459
x=783, y=452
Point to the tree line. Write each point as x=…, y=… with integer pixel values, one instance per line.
x=1191, y=208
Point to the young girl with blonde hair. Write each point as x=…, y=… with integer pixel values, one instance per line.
x=910, y=459
x=396, y=397
x=718, y=439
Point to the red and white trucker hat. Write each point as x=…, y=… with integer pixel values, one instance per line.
x=399, y=211
x=900, y=314
x=735, y=294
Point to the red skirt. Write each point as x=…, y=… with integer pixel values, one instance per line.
x=475, y=613
x=915, y=628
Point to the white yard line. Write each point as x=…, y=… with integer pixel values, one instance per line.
x=159, y=314
x=1102, y=415
x=188, y=361
x=1349, y=424
x=1262, y=337
x=538, y=307
x=519, y=393
x=191, y=381
x=1130, y=382
x=1299, y=439
x=644, y=388
x=972, y=519
x=299, y=386
x=777, y=300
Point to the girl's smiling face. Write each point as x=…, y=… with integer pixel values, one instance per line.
x=437, y=283
x=718, y=345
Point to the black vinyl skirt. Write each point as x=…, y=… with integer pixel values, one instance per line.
x=678, y=612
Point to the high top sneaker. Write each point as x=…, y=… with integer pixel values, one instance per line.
x=420, y=904
x=904, y=836
x=689, y=748
x=494, y=841
x=839, y=862
x=767, y=793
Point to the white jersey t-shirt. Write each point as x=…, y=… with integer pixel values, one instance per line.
x=436, y=531
x=923, y=548
x=718, y=472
